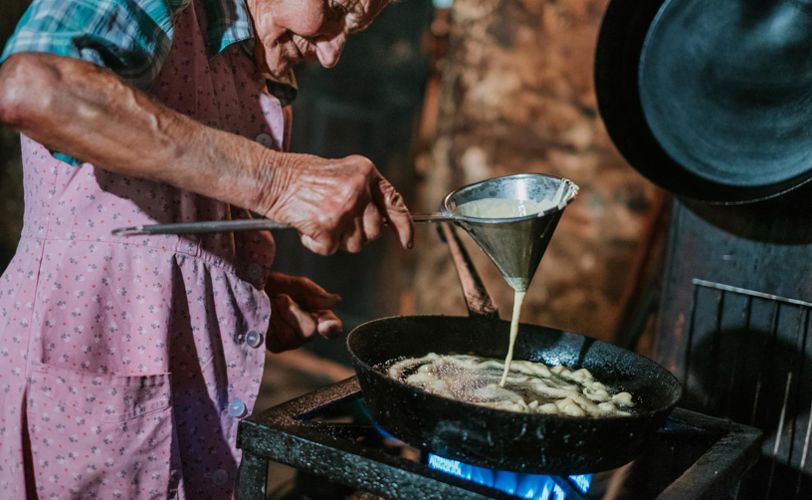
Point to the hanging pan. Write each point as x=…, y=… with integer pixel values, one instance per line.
x=709, y=99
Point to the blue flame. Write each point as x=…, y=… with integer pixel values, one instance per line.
x=535, y=486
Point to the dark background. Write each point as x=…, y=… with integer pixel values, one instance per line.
x=11, y=189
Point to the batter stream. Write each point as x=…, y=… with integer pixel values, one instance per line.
x=505, y=208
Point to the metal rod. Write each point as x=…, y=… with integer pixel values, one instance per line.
x=740, y=360
x=224, y=226
x=805, y=452
x=762, y=366
x=690, y=339
x=433, y=217
x=720, y=304
x=477, y=298
x=797, y=366
x=783, y=415
x=777, y=444
x=752, y=293
x=253, y=475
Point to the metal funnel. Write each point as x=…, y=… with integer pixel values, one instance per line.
x=515, y=245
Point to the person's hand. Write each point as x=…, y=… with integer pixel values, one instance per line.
x=299, y=310
x=336, y=204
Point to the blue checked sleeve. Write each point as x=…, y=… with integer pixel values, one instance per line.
x=130, y=37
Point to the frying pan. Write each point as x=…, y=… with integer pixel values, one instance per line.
x=498, y=439
x=708, y=98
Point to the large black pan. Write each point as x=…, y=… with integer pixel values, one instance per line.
x=708, y=98
x=501, y=439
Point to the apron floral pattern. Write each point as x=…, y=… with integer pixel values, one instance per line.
x=126, y=363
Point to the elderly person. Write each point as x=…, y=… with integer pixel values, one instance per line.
x=126, y=363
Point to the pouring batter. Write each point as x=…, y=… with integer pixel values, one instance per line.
x=505, y=208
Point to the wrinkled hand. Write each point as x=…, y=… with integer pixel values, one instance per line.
x=336, y=204
x=299, y=309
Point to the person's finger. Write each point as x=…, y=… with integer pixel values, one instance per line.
x=317, y=301
x=400, y=221
x=354, y=240
x=304, y=291
x=329, y=325
x=373, y=221
x=301, y=321
x=281, y=337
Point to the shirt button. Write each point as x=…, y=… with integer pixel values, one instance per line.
x=239, y=338
x=254, y=339
x=219, y=477
x=266, y=140
x=237, y=408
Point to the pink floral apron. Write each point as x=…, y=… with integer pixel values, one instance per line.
x=127, y=363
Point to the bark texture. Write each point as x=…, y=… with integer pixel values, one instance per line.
x=518, y=96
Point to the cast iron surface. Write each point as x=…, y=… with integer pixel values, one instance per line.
x=501, y=439
x=691, y=456
x=620, y=45
x=725, y=87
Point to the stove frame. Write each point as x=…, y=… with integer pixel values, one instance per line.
x=288, y=434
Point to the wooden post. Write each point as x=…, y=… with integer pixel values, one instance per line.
x=517, y=96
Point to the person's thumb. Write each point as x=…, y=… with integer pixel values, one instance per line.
x=318, y=246
x=328, y=324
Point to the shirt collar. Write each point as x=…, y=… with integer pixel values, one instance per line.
x=229, y=22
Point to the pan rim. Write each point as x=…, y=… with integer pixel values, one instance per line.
x=615, y=81
x=699, y=167
x=649, y=413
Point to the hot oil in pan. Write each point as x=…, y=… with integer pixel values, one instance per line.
x=531, y=387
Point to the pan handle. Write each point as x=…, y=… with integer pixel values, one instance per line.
x=477, y=299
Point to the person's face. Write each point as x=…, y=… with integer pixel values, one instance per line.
x=291, y=31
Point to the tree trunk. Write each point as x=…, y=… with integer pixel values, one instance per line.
x=518, y=96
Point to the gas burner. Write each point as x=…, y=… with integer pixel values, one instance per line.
x=328, y=434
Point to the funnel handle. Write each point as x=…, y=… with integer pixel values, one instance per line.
x=477, y=299
x=432, y=217
x=214, y=226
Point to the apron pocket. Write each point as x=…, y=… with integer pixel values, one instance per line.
x=100, y=436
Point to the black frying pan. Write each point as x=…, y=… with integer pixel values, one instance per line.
x=501, y=439
x=709, y=98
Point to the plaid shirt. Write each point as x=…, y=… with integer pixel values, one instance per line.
x=130, y=37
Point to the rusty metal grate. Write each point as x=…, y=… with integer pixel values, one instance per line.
x=691, y=456
x=749, y=358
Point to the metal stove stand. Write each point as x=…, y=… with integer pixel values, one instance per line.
x=692, y=456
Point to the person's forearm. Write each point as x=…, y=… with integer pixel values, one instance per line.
x=87, y=112
x=81, y=110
